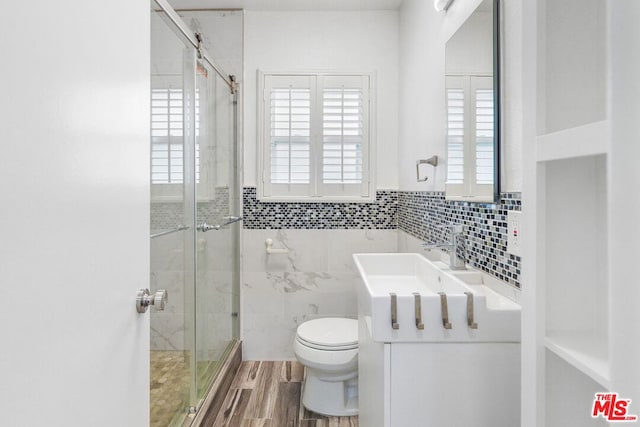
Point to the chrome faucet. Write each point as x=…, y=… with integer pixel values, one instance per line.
x=456, y=245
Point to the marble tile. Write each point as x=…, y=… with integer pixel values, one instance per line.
x=308, y=250
x=173, y=283
x=216, y=333
x=302, y=306
x=275, y=304
x=342, y=244
x=259, y=296
x=316, y=280
x=214, y=292
x=167, y=252
x=167, y=331
x=218, y=249
x=267, y=337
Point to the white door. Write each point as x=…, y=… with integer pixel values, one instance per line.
x=74, y=213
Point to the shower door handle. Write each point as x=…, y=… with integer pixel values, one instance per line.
x=204, y=227
x=144, y=299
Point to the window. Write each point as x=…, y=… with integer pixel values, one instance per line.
x=470, y=136
x=315, y=137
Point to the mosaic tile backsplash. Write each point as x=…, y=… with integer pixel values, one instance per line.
x=422, y=214
x=169, y=215
x=382, y=214
x=418, y=213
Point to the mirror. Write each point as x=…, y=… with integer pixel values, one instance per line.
x=472, y=107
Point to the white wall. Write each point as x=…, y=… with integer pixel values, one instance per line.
x=423, y=34
x=338, y=41
x=470, y=49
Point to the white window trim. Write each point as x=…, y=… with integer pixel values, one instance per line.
x=369, y=181
x=469, y=190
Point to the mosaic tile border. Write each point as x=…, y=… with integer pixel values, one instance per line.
x=382, y=214
x=421, y=214
x=170, y=215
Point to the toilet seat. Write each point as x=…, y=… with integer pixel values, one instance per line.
x=326, y=347
x=329, y=334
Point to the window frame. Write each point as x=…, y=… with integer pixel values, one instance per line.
x=316, y=190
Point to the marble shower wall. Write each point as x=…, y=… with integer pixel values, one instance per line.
x=315, y=279
x=168, y=272
x=171, y=329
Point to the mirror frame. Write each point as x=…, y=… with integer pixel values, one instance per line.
x=497, y=101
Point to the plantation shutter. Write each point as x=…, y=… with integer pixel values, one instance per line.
x=315, y=136
x=455, y=136
x=345, y=136
x=482, y=142
x=166, y=136
x=287, y=131
x=457, y=102
x=484, y=136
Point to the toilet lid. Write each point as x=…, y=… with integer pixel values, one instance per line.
x=330, y=332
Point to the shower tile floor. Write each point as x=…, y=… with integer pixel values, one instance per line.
x=169, y=385
x=267, y=394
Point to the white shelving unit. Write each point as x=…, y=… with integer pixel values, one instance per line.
x=587, y=140
x=582, y=115
x=586, y=352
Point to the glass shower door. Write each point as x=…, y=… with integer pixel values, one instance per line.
x=217, y=252
x=172, y=224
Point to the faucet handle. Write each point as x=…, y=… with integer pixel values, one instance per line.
x=454, y=227
x=458, y=228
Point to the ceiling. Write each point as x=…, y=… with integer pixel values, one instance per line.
x=288, y=4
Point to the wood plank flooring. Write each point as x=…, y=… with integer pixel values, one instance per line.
x=267, y=394
x=221, y=385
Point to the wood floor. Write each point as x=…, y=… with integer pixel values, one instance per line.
x=267, y=394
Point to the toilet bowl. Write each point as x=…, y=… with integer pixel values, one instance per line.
x=328, y=348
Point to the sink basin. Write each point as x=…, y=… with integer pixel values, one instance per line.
x=404, y=274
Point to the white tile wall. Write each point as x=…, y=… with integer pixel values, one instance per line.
x=213, y=295
x=315, y=279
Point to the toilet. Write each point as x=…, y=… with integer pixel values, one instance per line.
x=328, y=349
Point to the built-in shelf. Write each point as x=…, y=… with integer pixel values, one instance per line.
x=587, y=352
x=587, y=140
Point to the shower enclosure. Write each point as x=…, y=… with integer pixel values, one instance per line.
x=195, y=208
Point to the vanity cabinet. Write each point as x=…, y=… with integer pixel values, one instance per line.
x=436, y=347
x=437, y=384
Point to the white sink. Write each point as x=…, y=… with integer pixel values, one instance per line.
x=497, y=317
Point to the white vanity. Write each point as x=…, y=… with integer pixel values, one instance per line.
x=437, y=347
